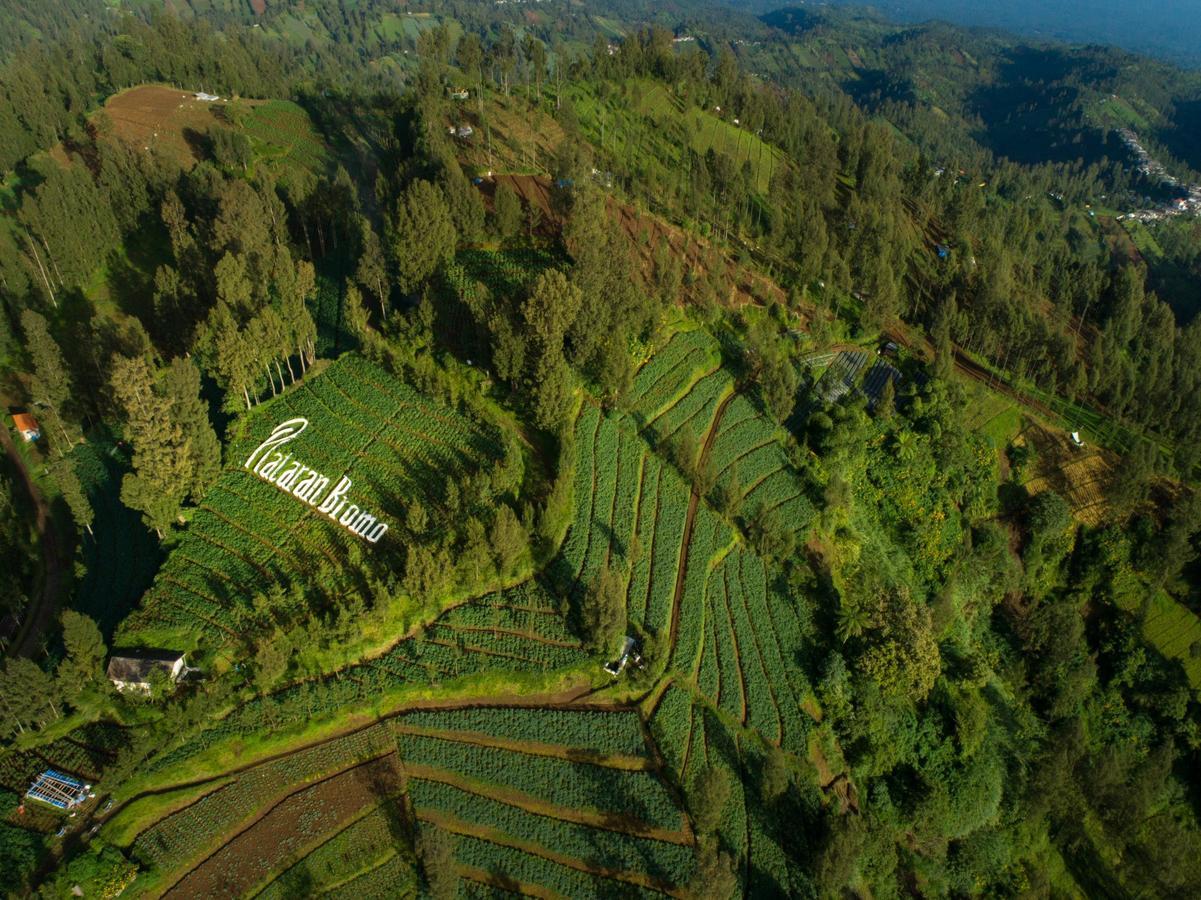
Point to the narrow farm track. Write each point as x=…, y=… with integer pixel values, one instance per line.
x=55, y=558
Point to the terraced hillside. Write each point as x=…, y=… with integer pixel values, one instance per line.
x=361, y=424
x=494, y=725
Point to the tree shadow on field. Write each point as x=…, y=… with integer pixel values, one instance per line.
x=198, y=143
x=297, y=881
x=383, y=779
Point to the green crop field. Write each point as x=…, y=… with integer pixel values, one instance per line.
x=546, y=795
x=541, y=805
x=646, y=127
x=283, y=137
x=1175, y=631
x=388, y=441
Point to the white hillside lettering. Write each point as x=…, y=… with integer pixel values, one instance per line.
x=310, y=486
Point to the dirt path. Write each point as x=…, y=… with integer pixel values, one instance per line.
x=969, y=368
x=43, y=606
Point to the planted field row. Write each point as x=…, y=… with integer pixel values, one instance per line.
x=595, y=848
x=671, y=371
x=703, y=741
x=749, y=462
x=692, y=738
x=749, y=667
x=1173, y=630
x=629, y=513
x=596, y=731
x=357, y=848
x=669, y=726
x=710, y=535
x=666, y=548
x=783, y=494
x=692, y=415
x=188, y=832
x=288, y=829
x=637, y=797
x=393, y=877
x=390, y=441
x=575, y=546
x=488, y=860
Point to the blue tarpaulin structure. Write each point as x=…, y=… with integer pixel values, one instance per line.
x=58, y=789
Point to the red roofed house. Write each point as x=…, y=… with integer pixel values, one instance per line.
x=27, y=426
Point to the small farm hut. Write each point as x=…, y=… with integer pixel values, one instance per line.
x=131, y=670
x=27, y=427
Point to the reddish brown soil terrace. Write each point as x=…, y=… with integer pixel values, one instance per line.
x=153, y=117
x=288, y=829
x=647, y=233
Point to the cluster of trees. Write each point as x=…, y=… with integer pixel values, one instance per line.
x=32, y=697
x=983, y=679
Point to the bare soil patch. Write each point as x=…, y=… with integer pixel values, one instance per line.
x=288, y=829
x=164, y=119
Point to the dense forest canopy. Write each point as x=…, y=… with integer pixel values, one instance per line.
x=592, y=449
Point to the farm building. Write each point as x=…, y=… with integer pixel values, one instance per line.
x=132, y=669
x=27, y=426
x=59, y=790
